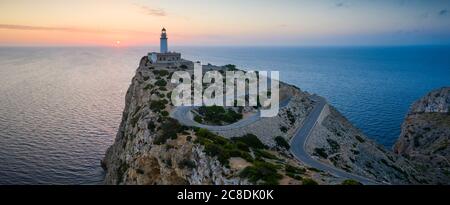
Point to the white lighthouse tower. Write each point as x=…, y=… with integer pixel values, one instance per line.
x=164, y=56
x=163, y=41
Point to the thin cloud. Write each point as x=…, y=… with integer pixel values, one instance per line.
x=68, y=29
x=41, y=28
x=153, y=11
x=443, y=12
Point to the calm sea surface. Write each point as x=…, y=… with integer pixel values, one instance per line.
x=60, y=107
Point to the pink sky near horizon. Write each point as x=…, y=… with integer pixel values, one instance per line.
x=232, y=22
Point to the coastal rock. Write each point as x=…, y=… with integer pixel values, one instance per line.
x=425, y=135
x=143, y=154
x=337, y=142
x=437, y=101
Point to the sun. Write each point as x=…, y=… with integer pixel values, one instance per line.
x=117, y=43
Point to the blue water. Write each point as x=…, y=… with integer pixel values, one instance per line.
x=60, y=107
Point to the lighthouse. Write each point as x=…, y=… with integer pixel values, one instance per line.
x=163, y=41
x=164, y=56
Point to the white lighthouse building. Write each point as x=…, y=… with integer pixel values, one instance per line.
x=163, y=41
x=164, y=56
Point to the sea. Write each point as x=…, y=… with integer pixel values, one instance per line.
x=60, y=107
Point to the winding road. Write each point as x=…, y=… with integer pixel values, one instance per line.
x=298, y=143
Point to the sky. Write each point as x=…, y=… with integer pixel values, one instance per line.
x=224, y=22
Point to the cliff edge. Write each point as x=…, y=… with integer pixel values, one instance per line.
x=425, y=135
x=151, y=147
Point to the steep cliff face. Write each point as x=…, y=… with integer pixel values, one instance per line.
x=135, y=157
x=152, y=148
x=421, y=155
x=337, y=142
x=425, y=135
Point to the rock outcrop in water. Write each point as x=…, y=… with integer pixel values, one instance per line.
x=425, y=136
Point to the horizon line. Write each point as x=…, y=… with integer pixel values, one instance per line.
x=220, y=45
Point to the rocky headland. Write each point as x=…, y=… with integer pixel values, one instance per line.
x=425, y=135
x=151, y=147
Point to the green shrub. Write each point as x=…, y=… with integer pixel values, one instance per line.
x=165, y=113
x=187, y=163
x=161, y=82
x=250, y=140
x=151, y=126
x=170, y=128
x=220, y=147
x=314, y=169
x=320, y=152
x=218, y=114
x=146, y=78
x=149, y=86
x=283, y=129
x=295, y=176
x=230, y=67
x=261, y=171
x=290, y=117
x=242, y=146
x=263, y=154
x=295, y=170
x=198, y=119
x=333, y=144
x=308, y=181
x=158, y=105
x=161, y=72
x=350, y=182
x=281, y=142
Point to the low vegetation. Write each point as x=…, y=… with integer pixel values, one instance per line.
x=221, y=147
x=161, y=82
x=160, y=72
x=350, y=182
x=218, y=115
x=281, y=142
x=294, y=172
x=158, y=105
x=230, y=67
x=250, y=140
x=308, y=181
x=169, y=128
x=262, y=173
x=320, y=152
x=186, y=163
x=283, y=129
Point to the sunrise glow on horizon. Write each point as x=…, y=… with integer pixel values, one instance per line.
x=134, y=23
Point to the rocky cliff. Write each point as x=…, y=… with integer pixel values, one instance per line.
x=425, y=135
x=336, y=142
x=152, y=148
